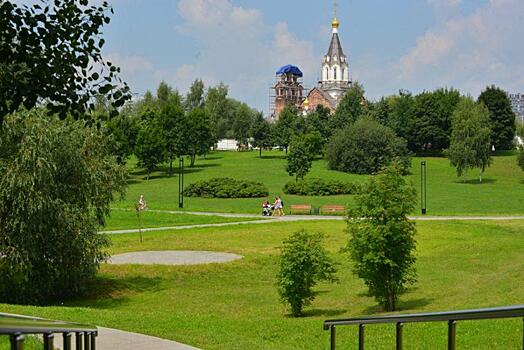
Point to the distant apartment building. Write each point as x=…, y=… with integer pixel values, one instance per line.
x=517, y=103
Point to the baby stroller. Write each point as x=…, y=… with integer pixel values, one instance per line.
x=266, y=209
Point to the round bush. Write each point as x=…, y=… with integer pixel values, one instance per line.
x=320, y=187
x=226, y=187
x=365, y=147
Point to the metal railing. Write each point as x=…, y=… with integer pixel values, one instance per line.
x=451, y=317
x=17, y=327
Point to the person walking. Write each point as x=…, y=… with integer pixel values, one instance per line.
x=278, y=207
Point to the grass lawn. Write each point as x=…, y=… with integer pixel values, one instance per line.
x=126, y=219
x=235, y=305
x=502, y=190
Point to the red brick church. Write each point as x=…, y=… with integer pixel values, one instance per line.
x=334, y=82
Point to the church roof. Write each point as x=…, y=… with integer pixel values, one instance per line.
x=335, y=49
x=288, y=68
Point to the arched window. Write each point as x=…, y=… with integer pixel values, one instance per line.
x=342, y=74
x=334, y=73
x=327, y=74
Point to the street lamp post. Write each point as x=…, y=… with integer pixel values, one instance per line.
x=423, y=186
x=181, y=182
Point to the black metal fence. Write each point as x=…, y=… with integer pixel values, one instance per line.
x=451, y=317
x=18, y=327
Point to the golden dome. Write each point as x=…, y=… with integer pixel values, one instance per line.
x=306, y=102
x=334, y=23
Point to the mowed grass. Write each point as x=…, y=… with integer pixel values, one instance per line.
x=127, y=219
x=501, y=192
x=235, y=305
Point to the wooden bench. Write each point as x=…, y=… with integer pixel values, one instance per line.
x=333, y=209
x=300, y=209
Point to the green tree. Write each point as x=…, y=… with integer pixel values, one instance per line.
x=520, y=158
x=382, y=238
x=199, y=134
x=502, y=117
x=299, y=159
x=303, y=262
x=48, y=52
x=242, y=124
x=150, y=144
x=261, y=133
x=402, y=118
x=365, y=147
x=351, y=106
x=285, y=127
x=470, y=145
x=195, y=96
x=57, y=181
x=318, y=121
x=218, y=107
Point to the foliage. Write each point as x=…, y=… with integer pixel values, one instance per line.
x=365, y=147
x=285, y=127
x=299, y=159
x=320, y=187
x=520, y=158
x=217, y=106
x=303, y=262
x=382, y=242
x=502, y=117
x=226, y=187
x=318, y=121
x=261, y=133
x=313, y=142
x=195, y=96
x=470, y=145
x=350, y=108
x=172, y=122
x=150, y=143
x=199, y=135
x=58, y=180
x=48, y=54
x=242, y=124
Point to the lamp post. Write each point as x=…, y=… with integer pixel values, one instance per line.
x=181, y=182
x=423, y=186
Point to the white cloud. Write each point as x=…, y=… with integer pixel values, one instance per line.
x=470, y=51
x=240, y=49
x=130, y=64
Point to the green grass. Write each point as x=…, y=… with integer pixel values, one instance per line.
x=235, y=305
x=30, y=343
x=127, y=219
x=502, y=191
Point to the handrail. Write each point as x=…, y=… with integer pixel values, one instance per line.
x=450, y=316
x=17, y=326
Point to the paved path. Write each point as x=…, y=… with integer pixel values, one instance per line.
x=173, y=257
x=290, y=218
x=111, y=339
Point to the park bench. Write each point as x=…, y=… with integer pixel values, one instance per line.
x=332, y=209
x=300, y=209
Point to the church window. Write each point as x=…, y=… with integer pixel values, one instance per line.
x=327, y=73
x=342, y=74
x=335, y=73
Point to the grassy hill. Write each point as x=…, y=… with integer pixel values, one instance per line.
x=501, y=192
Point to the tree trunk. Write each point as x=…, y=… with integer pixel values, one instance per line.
x=170, y=165
x=192, y=158
x=260, y=152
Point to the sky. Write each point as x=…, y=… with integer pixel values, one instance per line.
x=391, y=45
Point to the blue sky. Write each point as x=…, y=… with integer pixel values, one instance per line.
x=413, y=45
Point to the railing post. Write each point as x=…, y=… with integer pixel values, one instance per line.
x=93, y=341
x=523, y=334
x=333, y=340
x=361, y=337
x=67, y=340
x=78, y=340
x=451, y=334
x=17, y=341
x=87, y=340
x=399, y=335
x=48, y=341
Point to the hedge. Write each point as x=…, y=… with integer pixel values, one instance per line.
x=226, y=187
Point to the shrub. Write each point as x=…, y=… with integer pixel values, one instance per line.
x=382, y=242
x=365, y=147
x=320, y=187
x=226, y=187
x=520, y=158
x=57, y=181
x=303, y=262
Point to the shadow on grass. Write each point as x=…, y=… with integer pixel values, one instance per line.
x=402, y=305
x=108, y=292
x=324, y=312
x=475, y=181
x=272, y=156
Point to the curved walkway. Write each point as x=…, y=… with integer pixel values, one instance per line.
x=291, y=218
x=111, y=339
